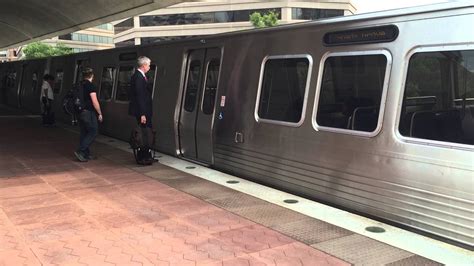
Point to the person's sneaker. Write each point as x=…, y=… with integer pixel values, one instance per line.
x=80, y=157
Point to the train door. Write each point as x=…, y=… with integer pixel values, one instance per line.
x=197, y=108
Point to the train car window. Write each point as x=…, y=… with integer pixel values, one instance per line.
x=123, y=84
x=107, y=83
x=58, y=81
x=34, y=81
x=438, y=102
x=210, y=88
x=192, y=86
x=351, y=93
x=11, y=79
x=150, y=75
x=283, y=87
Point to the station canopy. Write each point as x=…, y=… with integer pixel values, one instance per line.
x=24, y=21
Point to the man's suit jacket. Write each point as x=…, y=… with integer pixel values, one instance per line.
x=140, y=97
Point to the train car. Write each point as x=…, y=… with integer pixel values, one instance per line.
x=372, y=113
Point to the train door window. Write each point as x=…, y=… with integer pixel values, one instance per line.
x=283, y=89
x=58, y=81
x=352, y=88
x=193, y=85
x=80, y=65
x=210, y=87
x=438, y=101
x=107, y=83
x=123, y=84
x=150, y=75
x=11, y=79
x=34, y=81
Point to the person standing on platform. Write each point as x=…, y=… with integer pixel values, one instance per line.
x=47, y=98
x=88, y=117
x=141, y=100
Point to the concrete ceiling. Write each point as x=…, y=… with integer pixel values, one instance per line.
x=23, y=21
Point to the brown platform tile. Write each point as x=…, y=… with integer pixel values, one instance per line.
x=217, y=221
x=33, y=202
x=253, y=238
x=81, y=184
x=44, y=214
x=26, y=190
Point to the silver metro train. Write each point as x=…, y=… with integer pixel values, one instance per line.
x=373, y=113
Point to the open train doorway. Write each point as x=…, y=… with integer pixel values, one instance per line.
x=197, y=108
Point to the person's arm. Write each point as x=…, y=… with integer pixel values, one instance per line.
x=96, y=105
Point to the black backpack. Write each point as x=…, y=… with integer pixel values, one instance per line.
x=73, y=102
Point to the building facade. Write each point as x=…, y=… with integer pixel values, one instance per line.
x=7, y=55
x=96, y=38
x=205, y=18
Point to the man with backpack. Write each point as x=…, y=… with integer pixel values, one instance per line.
x=88, y=113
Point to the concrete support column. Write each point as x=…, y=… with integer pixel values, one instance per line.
x=286, y=14
x=136, y=22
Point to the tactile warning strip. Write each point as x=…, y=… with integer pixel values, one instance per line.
x=200, y=188
x=361, y=250
x=336, y=241
x=311, y=231
x=269, y=214
x=414, y=260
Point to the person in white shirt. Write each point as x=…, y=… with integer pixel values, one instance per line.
x=47, y=97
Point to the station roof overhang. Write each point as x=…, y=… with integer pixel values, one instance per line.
x=24, y=21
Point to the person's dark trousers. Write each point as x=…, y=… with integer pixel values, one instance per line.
x=145, y=154
x=48, y=114
x=88, y=131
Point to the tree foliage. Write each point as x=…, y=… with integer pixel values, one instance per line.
x=267, y=20
x=40, y=50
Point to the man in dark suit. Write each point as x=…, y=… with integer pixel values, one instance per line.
x=141, y=100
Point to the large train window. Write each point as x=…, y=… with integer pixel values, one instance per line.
x=438, y=102
x=123, y=84
x=352, y=91
x=58, y=81
x=193, y=85
x=283, y=89
x=210, y=88
x=107, y=83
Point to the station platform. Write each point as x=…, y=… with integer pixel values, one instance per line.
x=55, y=210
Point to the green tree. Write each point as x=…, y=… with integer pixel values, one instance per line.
x=267, y=20
x=40, y=50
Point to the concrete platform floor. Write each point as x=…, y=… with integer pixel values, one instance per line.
x=57, y=211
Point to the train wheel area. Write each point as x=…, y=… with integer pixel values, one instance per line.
x=56, y=210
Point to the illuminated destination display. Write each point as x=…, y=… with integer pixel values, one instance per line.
x=368, y=35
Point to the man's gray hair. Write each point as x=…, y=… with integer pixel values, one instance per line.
x=143, y=60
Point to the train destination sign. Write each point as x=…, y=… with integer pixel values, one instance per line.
x=367, y=35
